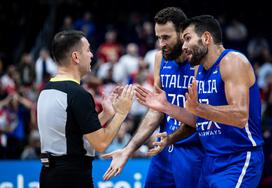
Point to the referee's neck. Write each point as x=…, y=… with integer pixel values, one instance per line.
x=67, y=73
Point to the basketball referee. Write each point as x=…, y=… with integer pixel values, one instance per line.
x=69, y=127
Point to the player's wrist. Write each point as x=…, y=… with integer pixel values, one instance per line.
x=167, y=108
x=127, y=151
x=197, y=109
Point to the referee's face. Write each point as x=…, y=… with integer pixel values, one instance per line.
x=85, y=57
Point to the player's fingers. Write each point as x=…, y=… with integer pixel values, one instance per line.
x=141, y=90
x=118, y=171
x=140, y=97
x=142, y=102
x=107, y=156
x=105, y=176
x=153, y=151
x=188, y=97
x=158, y=144
x=161, y=135
x=109, y=174
x=190, y=90
x=194, y=87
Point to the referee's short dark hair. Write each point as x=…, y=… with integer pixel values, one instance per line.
x=64, y=42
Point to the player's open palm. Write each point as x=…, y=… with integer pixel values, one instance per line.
x=119, y=159
x=155, y=100
x=192, y=97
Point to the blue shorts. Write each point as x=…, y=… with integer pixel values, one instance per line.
x=239, y=170
x=175, y=167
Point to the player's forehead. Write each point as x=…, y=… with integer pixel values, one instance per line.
x=166, y=29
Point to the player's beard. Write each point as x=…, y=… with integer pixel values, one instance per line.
x=175, y=51
x=199, y=51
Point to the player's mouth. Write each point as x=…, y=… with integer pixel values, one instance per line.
x=188, y=54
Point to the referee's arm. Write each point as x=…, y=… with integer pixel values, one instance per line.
x=101, y=138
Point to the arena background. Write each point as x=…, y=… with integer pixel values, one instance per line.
x=28, y=26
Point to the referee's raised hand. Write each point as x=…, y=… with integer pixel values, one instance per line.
x=122, y=103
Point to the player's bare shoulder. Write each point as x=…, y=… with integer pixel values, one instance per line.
x=236, y=64
x=158, y=57
x=157, y=65
x=236, y=57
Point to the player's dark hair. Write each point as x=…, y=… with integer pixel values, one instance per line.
x=205, y=23
x=63, y=42
x=171, y=14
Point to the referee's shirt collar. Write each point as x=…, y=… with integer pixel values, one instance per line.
x=58, y=79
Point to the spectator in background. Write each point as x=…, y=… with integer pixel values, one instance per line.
x=9, y=79
x=105, y=71
x=236, y=35
x=67, y=23
x=110, y=47
x=1, y=66
x=26, y=70
x=147, y=38
x=85, y=25
x=142, y=77
x=149, y=57
x=45, y=67
x=33, y=149
x=258, y=51
x=127, y=64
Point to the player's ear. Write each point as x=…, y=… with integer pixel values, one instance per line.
x=207, y=37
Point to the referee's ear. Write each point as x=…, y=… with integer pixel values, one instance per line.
x=75, y=57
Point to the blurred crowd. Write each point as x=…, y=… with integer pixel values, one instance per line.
x=125, y=56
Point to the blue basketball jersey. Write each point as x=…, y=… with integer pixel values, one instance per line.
x=218, y=138
x=175, y=79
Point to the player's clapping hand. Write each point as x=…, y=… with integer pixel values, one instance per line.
x=159, y=145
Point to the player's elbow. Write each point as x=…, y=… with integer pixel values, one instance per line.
x=242, y=120
x=101, y=147
x=242, y=123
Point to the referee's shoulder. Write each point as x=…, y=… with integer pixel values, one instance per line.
x=78, y=89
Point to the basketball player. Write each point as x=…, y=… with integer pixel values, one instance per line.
x=224, y=105
x=180, y=164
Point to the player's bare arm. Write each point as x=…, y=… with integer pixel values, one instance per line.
x=148, y=125
x=238, y=77
x=158, y=101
